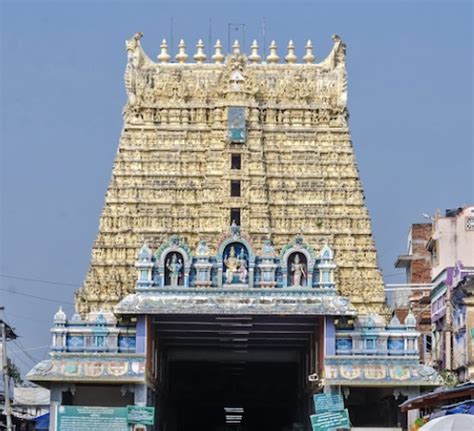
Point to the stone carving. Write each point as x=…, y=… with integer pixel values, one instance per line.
x=298, y=271
x=235, y=301
x=236, y=266
x=174, y=266
x=170, y=173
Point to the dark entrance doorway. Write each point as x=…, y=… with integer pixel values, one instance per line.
x=236, y=373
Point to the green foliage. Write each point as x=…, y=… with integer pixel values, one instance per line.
x=420, y=422
x=14, y=372
x=449, y=378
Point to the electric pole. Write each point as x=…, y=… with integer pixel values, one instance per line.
x=6, y=380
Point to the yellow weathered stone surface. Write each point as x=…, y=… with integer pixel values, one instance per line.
x=172, y=171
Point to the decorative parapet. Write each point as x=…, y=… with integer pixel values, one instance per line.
x=98, y=332
x=378, y=371
x=154, y=88
x=235, y=265
x=236, y=280
x=137, y=56
x=91, y=349
x=118, y=368
x=291, y=301
x=370, y=336
x=372, y=353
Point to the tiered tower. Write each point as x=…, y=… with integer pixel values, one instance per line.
x=263, y=143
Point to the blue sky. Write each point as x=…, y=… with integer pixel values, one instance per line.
x=62, y=93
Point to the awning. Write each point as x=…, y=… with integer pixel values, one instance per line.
x=439, y=397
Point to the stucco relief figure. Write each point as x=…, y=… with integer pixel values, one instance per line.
x=298, y=271
x=232, y=264
x=236, y=266
x=174, y=266
x=242, y=267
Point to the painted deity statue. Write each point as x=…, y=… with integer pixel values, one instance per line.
x=235, y=265
x=232, y=265
x=298, y=271
x=174, y=266
x=242, y=267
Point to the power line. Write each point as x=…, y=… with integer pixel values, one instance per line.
x=31, y=348
x=18, y=357
x=23, y=350
x=41, y=298
x=38, y=280
x=23, y=317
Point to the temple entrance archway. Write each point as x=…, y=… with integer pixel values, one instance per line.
x=244, y=373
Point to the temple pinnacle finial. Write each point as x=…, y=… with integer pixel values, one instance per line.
x=273, y=56
x=218, y=57
x=254, y=57
x=200, y=57
x=309, y=57
x=291, y=57
x=236, y=47
x=181, y=56
x=164, y=57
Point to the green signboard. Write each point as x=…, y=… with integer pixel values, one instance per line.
x=330, y=421
x=141, y=415
x=328, y=403
x=82, y=418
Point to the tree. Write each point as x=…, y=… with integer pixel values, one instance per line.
x=14, y=372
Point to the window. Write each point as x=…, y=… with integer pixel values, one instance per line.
x=428, y=344
x=235, y=216
x=434, y=253
x=469, y=223
x=235, y=161
x=235, y=188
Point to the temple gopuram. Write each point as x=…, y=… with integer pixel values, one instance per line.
x=234, y=274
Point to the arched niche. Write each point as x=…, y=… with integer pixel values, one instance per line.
x=174, y=269
x=235, y=264
x=297, y=270
x=235, y=258
x=297, y=248
x=178, y=248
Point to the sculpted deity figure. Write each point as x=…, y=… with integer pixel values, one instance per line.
x=242, y=267
x=174, y=266
x=298, y=270
x=232, y=264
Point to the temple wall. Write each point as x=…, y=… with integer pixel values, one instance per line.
x=172, y=171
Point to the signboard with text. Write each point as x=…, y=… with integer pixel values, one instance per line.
x=83, y=418
x=141, y=415
x=328, y=403
x=330, y=421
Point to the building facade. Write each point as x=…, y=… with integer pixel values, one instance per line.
x=452, y=250
x=416, y=296
x=234, y=268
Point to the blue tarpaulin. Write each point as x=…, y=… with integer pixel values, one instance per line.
x=42, y=422
x=467, y=408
